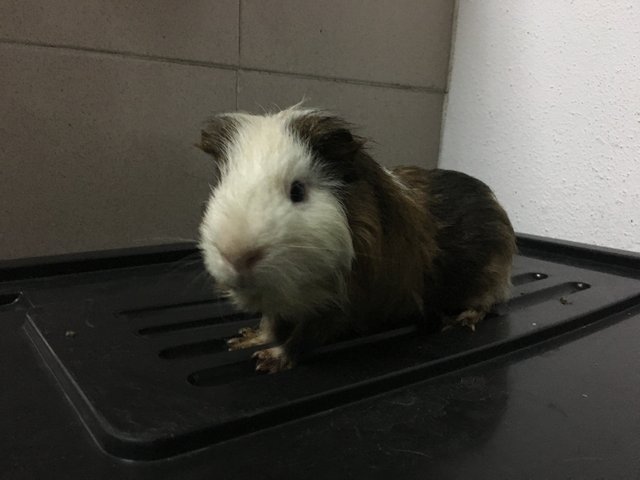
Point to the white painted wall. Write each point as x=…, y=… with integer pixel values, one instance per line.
x=544, y=106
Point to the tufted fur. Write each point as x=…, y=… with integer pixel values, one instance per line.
x=366, y=248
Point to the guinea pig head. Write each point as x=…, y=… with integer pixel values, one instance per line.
x=275, y=235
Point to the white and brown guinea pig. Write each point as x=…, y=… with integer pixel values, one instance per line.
x=306, y=228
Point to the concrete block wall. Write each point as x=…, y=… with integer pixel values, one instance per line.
x=102, y=102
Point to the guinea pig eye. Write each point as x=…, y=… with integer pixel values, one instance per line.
x=297, y=192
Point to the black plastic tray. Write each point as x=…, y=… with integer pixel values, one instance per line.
x=136, y=342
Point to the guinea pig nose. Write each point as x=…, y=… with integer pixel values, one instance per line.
x=243, y=261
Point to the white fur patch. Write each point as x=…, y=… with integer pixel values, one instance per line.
x=307, y=246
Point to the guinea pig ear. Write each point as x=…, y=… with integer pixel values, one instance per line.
x=217, y=134
x=330, y=139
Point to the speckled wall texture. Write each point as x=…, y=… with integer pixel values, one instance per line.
x=102, y=101
x=544, y=105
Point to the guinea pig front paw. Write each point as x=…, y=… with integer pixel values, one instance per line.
x=249, y=337
x=272, y=360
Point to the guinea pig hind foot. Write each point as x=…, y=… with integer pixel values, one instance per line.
x=468, y=318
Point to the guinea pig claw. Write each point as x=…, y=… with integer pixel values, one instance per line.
x=272, y=360
x=238, y=343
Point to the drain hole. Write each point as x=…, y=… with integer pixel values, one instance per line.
x=539, y=296
x=7, y=299
x=217, y=345
x=523, y=278
x=204, y=322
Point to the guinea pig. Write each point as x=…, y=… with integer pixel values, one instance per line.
x=305, y=227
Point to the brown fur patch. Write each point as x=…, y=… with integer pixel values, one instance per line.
x=217, y=134
x=393, y=238
x=330, y=140
x=476, y=239
x=392, y=232
x=427, y=242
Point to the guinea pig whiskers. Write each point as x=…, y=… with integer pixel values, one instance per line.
x=201, y=276
x=190, y=259
x=193, y=260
